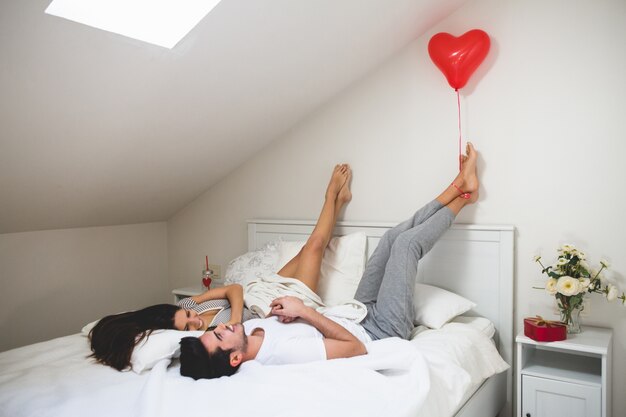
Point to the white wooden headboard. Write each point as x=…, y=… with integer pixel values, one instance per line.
x=474, y=261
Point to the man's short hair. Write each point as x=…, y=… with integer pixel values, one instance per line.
x=197, y=363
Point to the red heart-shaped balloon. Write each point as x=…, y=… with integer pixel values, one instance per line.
x=459, y=57
x=206, y=282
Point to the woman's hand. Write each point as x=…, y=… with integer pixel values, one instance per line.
x=287, y=309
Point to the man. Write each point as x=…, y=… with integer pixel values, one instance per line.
x=297, y=333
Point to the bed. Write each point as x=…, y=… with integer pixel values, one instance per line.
x=481, y=254
x=399, y=378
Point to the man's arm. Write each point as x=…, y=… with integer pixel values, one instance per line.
x=339, y=342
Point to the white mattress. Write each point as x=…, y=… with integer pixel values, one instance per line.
x=433, y=375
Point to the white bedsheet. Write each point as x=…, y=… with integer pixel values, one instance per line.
x=460, y=356
x=54, y=378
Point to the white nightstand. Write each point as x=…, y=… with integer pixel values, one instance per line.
x=570, y=378
x=180, y=293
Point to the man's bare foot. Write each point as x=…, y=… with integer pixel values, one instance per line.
x=345, y=194
x=473, y=197
x=337, y=180
x=467, y=180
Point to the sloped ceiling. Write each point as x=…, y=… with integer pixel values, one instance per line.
x=97, y=129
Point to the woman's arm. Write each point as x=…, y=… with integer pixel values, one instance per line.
x=233, y=293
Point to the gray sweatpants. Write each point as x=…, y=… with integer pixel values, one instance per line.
x=388, y=281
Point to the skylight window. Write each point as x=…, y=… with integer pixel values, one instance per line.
x=160, y=22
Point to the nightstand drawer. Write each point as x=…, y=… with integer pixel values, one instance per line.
x=543, y=397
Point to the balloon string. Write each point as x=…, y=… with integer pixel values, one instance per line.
x=458, y=102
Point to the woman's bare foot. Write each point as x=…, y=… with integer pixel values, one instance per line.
x=337, y=181
x=345, y=194
x=467, y=180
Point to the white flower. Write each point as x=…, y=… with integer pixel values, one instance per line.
x=584, y=283
x=594, y=274
x=611, y=294
x=551, y=286
x=584, y=279
x=568, y=286
x=595, y=285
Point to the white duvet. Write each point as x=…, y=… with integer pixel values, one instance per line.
x=396, y=378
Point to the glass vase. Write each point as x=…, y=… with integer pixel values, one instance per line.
x=572, y=319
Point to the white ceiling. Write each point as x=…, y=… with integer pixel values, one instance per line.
x=97, y=129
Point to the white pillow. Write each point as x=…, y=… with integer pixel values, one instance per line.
x=342, y=266
x=435, y=306
x=161, y=344
x=286, y=251
x=87, y=327
x=482, y=324
x=252, y=265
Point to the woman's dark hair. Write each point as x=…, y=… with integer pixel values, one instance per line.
x=197, y=363
x=114, y=337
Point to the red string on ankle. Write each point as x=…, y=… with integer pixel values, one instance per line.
x=463, y=195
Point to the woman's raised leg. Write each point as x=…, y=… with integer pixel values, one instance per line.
x=306, y=265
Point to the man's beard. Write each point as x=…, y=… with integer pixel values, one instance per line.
x=244, y=341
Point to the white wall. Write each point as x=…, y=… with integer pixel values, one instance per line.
x=54, y=282
x=546, y=110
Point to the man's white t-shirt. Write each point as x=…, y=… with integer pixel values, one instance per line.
x=296, y=342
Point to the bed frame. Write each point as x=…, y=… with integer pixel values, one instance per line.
x=471, y=260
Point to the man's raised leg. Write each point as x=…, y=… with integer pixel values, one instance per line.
x=466, y=180
x=391, y=314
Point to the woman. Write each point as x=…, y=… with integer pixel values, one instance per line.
x=114, y=337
